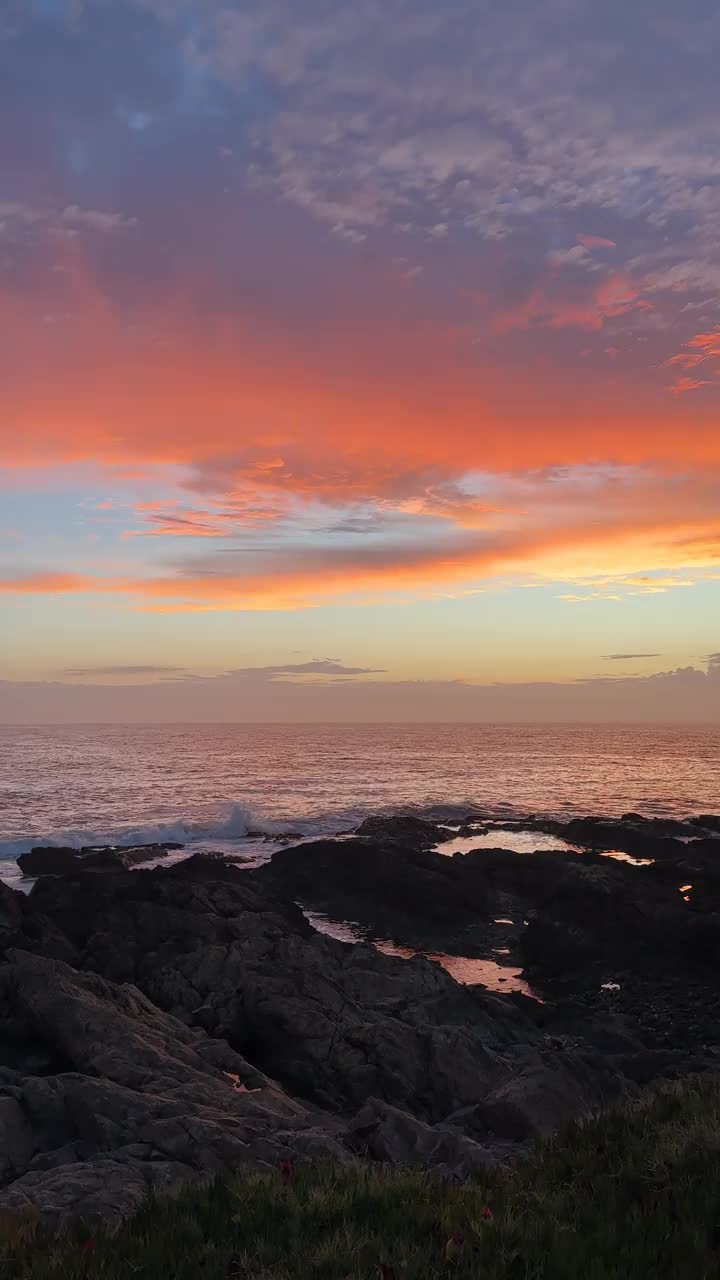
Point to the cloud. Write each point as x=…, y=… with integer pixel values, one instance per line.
x=699, y=350
x=682, y=385
x=96, y=220
x=598, y=533
x=588, y=597
x=627, y=657
x=317, y=667
x=17, y=216
x=687, y=694
x=588, y=306
x=48, y=581
x=135, y=669
x=219, y=522
x=239, y=329
x=596, y=242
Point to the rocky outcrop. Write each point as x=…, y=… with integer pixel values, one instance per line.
x=611, y=911
x=157, y=1026
x=334, y=1023
x=48, y=860
x=203, y=1024
x=135, y=1098
x=22, y=926
x=410, y=894
x=575, y=920
x=407, y=831
x=382, y=1132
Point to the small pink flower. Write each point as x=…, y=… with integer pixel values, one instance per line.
x=87, y=1249
x=487, y=1214
x=287, y=1170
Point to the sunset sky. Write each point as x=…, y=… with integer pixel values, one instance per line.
x=359, y=359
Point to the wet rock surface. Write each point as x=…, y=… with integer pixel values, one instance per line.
x=159, y=1025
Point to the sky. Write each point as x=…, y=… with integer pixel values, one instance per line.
x=359, y=360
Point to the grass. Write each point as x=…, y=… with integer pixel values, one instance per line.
x=632, y=1195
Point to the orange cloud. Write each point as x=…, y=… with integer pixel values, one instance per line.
x=701, y=348
x=681, y=385
x=708, y=343
x=613, y=297
x=182, y=522
x=387, y=387
x=620, y=559
x=49, y=583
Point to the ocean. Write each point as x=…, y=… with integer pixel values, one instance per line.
x=210, y=785
x=241, y=789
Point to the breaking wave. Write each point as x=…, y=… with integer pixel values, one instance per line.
x=239, y=824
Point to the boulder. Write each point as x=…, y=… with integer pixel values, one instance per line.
x=531, y=1104
x=382, y=1132
x=20, y=926
x=708, y=821
x=17, y=1139
x=100, y=1189
x=46, y=860
x=642, y=840
x=407, y=831
x=11, y=916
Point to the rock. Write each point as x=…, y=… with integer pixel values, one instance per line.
x=657, y=826
x=333, y=1023
x=142, y=1089
x=102, y=1189
x=20, y=926
x=409, y=894
x=11, y=916
x=708, y=821
x=532, y=1104
x=17, y=1140
x=165, y=1024
x=644, y=840
x=207, y=866
x=382, y=1132
x=45, y=860
x=409, y=832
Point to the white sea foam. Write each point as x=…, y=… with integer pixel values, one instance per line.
x=239, y=824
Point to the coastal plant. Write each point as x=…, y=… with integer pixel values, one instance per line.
x=629, y=1195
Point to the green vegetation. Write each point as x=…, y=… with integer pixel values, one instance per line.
x=632, y=1195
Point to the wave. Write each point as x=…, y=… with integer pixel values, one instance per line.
x=241, y=823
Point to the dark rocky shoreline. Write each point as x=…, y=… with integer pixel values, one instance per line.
x=159, y=1025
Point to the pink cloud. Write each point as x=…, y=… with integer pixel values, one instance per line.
x=707, y=343
x=615, y=296
x=703, y=347
x=596, y=242
x=682, y=385
x=193, y=523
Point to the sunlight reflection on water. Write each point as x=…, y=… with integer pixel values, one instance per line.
x=464, y=969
